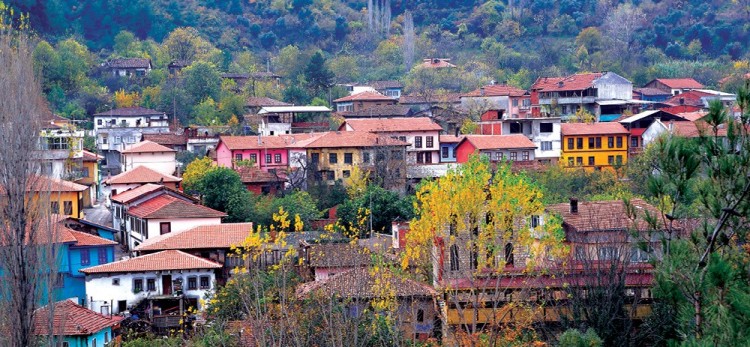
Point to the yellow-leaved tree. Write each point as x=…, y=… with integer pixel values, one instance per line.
x=195, y=171
x=480, y=232
x=125, y=99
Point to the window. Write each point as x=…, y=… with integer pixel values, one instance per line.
x=106, y=337
x=116, y=281
x=579, y=143
x=102, y=253
x=608, y=253
x=86, y=172
x=454, y=258
x=526, y=102
x=598, y=142
x=579, y=161
x=516, y=128
x=315, y=158
x=165, y=228
x=509, y=254
x=348, y=159
x=525, y=155
x=545, y=127
x=57, y=143
x=99, y=122
x=254, y=158
x=137, y=285
x=417, y=141
x=513, y=156
x=399, y=155
x=444, y=152
x=205, y=282
x=192, y=283
x=497, y=156
x=618, y=160
x=611, y=159
x=429, y=142
x=333, y=158
x=570, y=143
x=54, y=206
x=534, y=221
x=85, y=257
x=591, y=161
x=515, y=102
x=151, y=284
x=365, y=157
x=591, y=143
x=268, y=158
x=104, y=140
x=402, y=138
x=570, y=161
x=238, y=156
x=638, y=255
x=619, y=142
x=93, y=341
x=68, y=208
x=420, y=315
x=634, y=141
x=580, y=253
x=611, y=142
x=347, y=173
x=473, y=259
x=277, y=158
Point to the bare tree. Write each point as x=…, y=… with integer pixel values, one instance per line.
x=27, y=253
x=379, y=16
x=409, y=37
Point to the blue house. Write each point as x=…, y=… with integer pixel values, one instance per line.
x=75, y=325
x=77, y=250
x=448, y=144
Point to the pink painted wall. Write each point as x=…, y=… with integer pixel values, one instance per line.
x=225, y=157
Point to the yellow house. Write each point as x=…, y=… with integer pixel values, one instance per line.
x=594, y=146
x=333, y=155
x=65, y=197
x=89, y=176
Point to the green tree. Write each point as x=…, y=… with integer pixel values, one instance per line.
x=221, y=189
x=385, y=206
x=574, y=338
x=202, y=81
x=318, y=76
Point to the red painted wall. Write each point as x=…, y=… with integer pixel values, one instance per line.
x=464, y=150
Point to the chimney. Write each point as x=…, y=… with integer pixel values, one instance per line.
x=682, y=101
x=574, y=205
x=457, y=129
x=559, y=84
x=481, y=91
x=671, y=126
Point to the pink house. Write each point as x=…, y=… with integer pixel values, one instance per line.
x=268, y=153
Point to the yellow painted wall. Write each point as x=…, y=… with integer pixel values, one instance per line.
x=339, y=167
x=93, y=173
x=60, y=198
x=601, y=155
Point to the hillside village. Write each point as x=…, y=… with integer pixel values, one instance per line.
x=342, y=173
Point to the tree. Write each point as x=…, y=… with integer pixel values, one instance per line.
x=202, y=81
x=125, y=99
x=574, y=338
x=385, y=206
x=194, y=173
x=28, y=256
x=409, y=37
x=318, y=76
x=221, y=189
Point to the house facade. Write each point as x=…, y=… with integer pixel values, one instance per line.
x=674, y=86
x=65, y=197
x=421, y=133
x=511, y=101
x=362, y=101
x=603, y=94
x=139, y=176
x=121, y=285
x=497, y=148
x=129, y=67
x=594, y=146
x=75, y=325
x=60, y=148
x=151, y=155
x=448, y=145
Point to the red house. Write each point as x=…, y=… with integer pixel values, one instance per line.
x=515, y=148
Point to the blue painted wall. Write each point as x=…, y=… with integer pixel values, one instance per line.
x=94, y=340
x=451, y=152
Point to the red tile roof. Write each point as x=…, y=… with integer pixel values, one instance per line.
x=386, y=125
x=132, y=194
x=498, y=141
x=70, y=319
x=545, y=82
x=129, y=63
x=142, y=174
x=574, y=129
x=254, y=175
x=605, y=215
x=160, y=261
x=334, y=255
x=349, y=139
x=690, y=98
x=680, y=83
x=251, y=142
x=451, y=138
x=200, y=237
x=91, y=157
x=433, y=63
x=361, y=283
x=694, y=129
x=170, y=207
x=147, y=147
x=365, y=96
x=578, y=81
x=496, y=90
x=168, y=139
x=262, y=101
x=693, y=116
x=86, y=239
x=130, y=112
x=49, y=184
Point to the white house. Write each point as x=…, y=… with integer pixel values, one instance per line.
x=151, y=210
x=129, y=66
x=421, y=133
x=123, y=284
x=139, y=176
x=60, y=145
x=149, y=154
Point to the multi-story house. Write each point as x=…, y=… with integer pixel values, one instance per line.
x=448, y=144
x=268, y=153
x=603, y=94
x=65, y=197
x=515, y=148
x=543, y=131
x=594, y=146
x=75, y=325
x=674, y=86
x=151, y=155
x=139, y=176
x=151, y=210
x=362, y=101
x=510, y=101
x=638, y=123
x=280, y=120
x=421, y=133
x=60, y=148
x=118, y=128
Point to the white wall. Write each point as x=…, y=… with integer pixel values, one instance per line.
x=178, y=225
x=652, y=132
x=100, y=288
x=163, y=162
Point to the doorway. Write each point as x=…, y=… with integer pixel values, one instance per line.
x=166, y=284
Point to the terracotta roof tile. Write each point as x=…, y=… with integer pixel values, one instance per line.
x=578, y=81
x=130, y=63
x=694, y=129
x=85, y=239
x=434, y=63
x=91, y=157
x=604, y=215
x=200, y=237
x=160, y=261
x=680, y=83
x=498, y=141
x=147, y=147
x=349, y=139
x=574, y=129
x=496, y=90
x=693, y=116
x=70, y=319
x=131, y=112
x=546, y=82
x=170, y=207
x=365, y=96
x=262, y=101
x=387, y=125
x=252, y=142
x=132, y=194
x=690, y=98
x=361, y=283
x=255, y=175
x=328, y=255
x=142, y=174
x=380, y=111
x=651, y=91
x=168, y=139
x=49, y=184
x=451, y=138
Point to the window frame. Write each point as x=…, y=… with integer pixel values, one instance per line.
x=333, y=158
x=429, y=141
x=348, y=158
x=138, y=285
x=85, y=257
x=277, y=158
x=417, y=141
x=208, y=282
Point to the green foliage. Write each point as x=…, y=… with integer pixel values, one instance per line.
x=560, y=184
x=202, y=81
x=318, y=76
x=385, y=207
x=222, y=189
x=574, y=338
